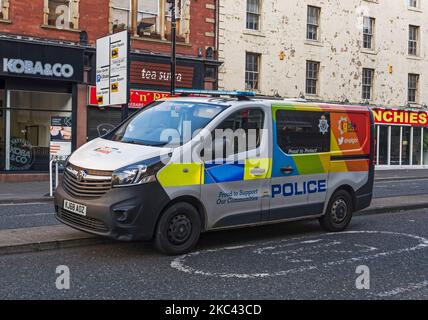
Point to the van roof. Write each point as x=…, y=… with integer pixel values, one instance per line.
x=292, y=103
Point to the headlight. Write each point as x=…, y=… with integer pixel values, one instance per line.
x=138, y=173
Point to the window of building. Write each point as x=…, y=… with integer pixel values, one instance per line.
x=303, y=132
x=413, y=90
x=4, y=9
x=313, y=23
x=121, y=14
x=368, y=33
x=253, y=14
x=149, y=18
x=368, y=75
x=413, y=40
x=413, y=3
x=312, y=75
x=63, y=14
x=252, y=71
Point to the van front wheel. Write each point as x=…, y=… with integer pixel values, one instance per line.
x=178, y=229
x=339, y=212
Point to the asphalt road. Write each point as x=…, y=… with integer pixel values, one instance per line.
x=42, y=214
x=289, y=261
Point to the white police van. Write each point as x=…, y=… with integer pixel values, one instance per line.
x=160, y=176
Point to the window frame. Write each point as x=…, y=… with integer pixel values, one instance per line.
x=252, y=72
x=4, y=10
x=369, y=35
x=366, y=85
x=160, y=32
x=413, y=91
x=234, y=113
x=326, y=145
x=74, y=8
x=415, y=6
x=256, y=15
x=316, y=25
x=309, y=78
x=413, y=43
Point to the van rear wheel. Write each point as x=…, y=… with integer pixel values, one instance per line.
x=339, y=212
x=178, y=229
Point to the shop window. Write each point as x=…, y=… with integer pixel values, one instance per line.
x=395, y=145
x=417, y=146
x=150, y=18
x=4, y=9
x=27, y=140
x=406, y=146
x=383, y=145
x=303, y=132
x=62, y=14
x=2, y=126
x=425, y=146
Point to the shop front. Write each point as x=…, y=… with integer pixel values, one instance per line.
x=38, y=83
x=402, y=138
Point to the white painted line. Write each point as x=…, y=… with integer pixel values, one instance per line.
x=397, y=291
x=180, y=263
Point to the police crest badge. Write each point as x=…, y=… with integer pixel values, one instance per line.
x=323, y=125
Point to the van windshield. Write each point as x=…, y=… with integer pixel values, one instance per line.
x=169, y=122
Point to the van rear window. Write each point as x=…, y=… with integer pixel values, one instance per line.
x=303, y=132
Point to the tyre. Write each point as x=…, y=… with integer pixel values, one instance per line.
x=178, y=229
x=339, y=212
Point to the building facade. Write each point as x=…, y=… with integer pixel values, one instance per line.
x=369, y=52
x=48, y=68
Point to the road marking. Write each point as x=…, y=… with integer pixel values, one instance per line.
x=179, y=263
x=397, y=291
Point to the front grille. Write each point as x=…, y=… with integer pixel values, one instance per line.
x=83, y=183
x=82, y=221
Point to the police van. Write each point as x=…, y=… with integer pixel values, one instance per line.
x=207, y=161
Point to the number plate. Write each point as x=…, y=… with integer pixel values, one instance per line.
x=75, y=207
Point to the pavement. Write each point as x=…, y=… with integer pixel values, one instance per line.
x=287, y=261
x=395, y=191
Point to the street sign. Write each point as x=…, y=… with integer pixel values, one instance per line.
x=112, y=70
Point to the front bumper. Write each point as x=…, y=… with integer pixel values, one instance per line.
x=126, y=214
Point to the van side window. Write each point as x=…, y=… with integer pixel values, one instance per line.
x=243, y=124
x=303, y=132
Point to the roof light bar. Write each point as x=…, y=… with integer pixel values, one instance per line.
x=216, y=93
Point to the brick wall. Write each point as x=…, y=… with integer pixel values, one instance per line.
x=26, y=18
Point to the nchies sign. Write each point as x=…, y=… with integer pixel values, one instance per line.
x=400, y=117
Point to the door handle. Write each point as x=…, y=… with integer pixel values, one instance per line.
x=287, y=170
x=258, y=172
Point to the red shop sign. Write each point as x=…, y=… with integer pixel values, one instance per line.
x=137, y=99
